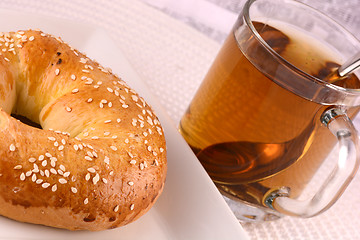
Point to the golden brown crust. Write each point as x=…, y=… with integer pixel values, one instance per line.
x=100, y=160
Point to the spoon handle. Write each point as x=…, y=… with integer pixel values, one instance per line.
x=350, y=65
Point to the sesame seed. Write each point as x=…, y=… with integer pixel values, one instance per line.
x=89, y=154
x=132, y=206
x=68, y=109
x=106, y=133
x=86, y=201
x=87, y=177
x=57, y=72
x=135, y=98
x=66, y=174
x=125, y=106
x=113, y=148
x=17, y=167
x=161, y=150
x=92, y=170
x=61, y=148
x=96, y=178
x=110, y=90
x=22, y=176
x=118, y=120
x=28, y=173
x=73, y=77
x=131, y=183
x=133, y=162
x=31, y=38
x=89, y=100
x=76, y=147
x=54, y=188
x=39, y=181
x=12, y=147
x=45, y=185
x=62, y=181
x=33, y=178
x=32, y=159
x=116, y=208
x=53, y=171
x=104, y=180
x=74, y=190
x=95, y=137
x=75, y=90
x=44, y=163
x=48, y=155
x=41, y=157
x=107, y=121
x=110, y=104
x=62, y=167
x=88, y=158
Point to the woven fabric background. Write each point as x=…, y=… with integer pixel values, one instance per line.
x=172, y=51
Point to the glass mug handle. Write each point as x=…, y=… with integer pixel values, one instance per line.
x=341, y=126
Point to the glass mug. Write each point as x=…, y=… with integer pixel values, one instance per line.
x=270, y=110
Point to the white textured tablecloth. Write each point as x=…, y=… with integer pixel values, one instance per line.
x=172, y=59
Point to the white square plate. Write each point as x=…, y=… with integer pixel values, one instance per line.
x=190, y=206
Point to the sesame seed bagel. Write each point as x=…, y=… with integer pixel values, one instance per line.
x=99, y=159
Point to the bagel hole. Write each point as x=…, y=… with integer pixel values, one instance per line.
x=26, y=121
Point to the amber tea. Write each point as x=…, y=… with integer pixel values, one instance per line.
x=251, y=134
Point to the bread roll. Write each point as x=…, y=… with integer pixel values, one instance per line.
x=99, y=159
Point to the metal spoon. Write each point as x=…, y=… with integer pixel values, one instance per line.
x=351, y=65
